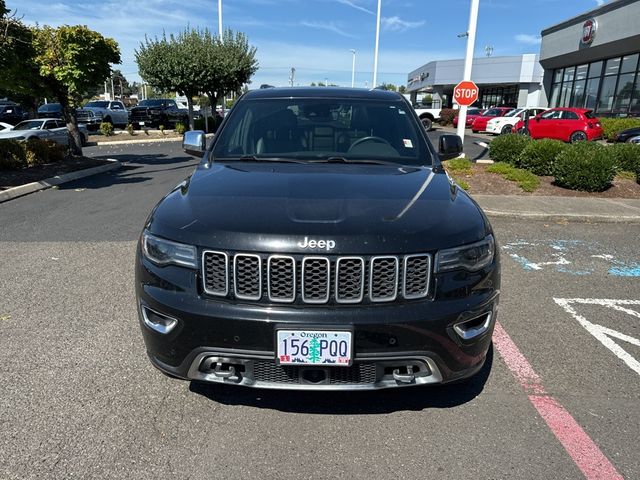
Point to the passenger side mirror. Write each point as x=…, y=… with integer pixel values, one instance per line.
x=449, y=146
x=194, y=143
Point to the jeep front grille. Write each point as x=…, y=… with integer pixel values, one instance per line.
x=316, y=279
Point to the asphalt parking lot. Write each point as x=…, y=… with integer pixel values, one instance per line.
x=558, y=397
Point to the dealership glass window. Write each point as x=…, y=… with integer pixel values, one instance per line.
x=591, y=93
x=565, y=95
x=612, y=67
x=623, y=94
x=634, y=107
x=629, y=63
x=607, y=92
x=557, y=75
x=578, y=97
x=595, y=69
x=581, y=72
x=555, y=95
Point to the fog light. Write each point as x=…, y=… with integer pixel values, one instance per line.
x=157, y=321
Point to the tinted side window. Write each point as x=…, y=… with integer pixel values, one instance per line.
x=551, y=114
x=570, y=116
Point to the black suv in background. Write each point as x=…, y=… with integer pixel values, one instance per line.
x=319, y=244
x=156, y=112
x=12, y=113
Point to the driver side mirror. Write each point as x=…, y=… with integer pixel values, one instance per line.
x=194, y=143
x=449, y=146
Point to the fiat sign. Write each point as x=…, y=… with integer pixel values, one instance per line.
x=589, y=31
x=465, y=93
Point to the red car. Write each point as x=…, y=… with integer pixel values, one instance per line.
x=480, y=123
x=566, y=124
x=472, y=114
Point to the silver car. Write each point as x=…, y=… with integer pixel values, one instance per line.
x=44, y=128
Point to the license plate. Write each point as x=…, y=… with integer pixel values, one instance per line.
x=314, y=347
x=141, y=123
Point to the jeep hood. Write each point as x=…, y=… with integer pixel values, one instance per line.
x=365, y=209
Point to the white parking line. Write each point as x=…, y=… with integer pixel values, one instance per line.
x=602, y=333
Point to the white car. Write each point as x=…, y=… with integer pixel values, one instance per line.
x=500, y=125
x=4, y=127
x=44, y=128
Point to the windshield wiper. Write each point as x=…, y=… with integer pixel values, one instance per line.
x=254, y=158
x=352, y=160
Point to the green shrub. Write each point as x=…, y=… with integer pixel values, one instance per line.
x=106, y=128
x=12, y=155
x=539, y=156
x=130, y=130
x=180, y=128
x=447, y=115
x=585, y=166
x=526, y=180
x=507, y=148
x=613, y=126
x=214, y=123
x=39, y=151
x=626, y=156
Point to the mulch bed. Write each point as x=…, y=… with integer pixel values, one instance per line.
x=138, y=135
x=482, y=182
x=14, y=178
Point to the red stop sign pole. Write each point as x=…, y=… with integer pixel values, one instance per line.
x=465, y=93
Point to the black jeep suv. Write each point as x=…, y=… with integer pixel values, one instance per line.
x=319, y=244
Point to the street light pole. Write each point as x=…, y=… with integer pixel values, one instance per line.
x=468, y=61
x=220, y=18
x=353, y=68
x=375, y=55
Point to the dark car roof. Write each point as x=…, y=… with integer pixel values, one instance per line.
x=323, y=92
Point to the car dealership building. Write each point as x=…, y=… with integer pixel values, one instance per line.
x=590, y=61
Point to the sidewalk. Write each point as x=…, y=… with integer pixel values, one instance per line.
x=576, y=209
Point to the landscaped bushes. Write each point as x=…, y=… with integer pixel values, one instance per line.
x=507, y=148
x=214, y=123
x=612, y=126
x=626, y=155
x=15, y=155
x=539, y=157
x=585, y=166
x=447, y=115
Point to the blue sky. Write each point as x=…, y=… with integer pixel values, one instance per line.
x=315, y=36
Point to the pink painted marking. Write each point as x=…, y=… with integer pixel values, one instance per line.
x=580, y=447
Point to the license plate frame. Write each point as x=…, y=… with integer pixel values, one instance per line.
x=141, y=124
x=319, y=333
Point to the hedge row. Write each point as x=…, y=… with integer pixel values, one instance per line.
x=15, y=155
x=612, y=126
x=586, y=166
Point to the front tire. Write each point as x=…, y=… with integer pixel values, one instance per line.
x=578, y=137
x=427, y=123
x=506, y=129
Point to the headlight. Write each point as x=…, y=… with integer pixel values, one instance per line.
x=470, y=257
x=165, y=252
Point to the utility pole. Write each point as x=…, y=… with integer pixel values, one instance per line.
x=468, y=61
x=292, y=76
x=375, y=55
x=121, y=88
x=113, y=93
x=353, y=68
x=224, y=100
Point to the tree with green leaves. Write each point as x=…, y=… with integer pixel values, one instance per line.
x=195, y=62
x=71, y=59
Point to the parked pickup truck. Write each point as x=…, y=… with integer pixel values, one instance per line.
x=96, y=112
x=427, y=116
x=156, y=112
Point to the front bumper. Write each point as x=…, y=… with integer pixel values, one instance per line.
x=413, y=343
x=494, y=128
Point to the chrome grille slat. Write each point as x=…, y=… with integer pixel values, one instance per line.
x=281, y=278
x=247, y=275
x=215, y=272
x=323, y=280
x=416, y=276
x=315, y=279
x=349, y=279
x=383, y=279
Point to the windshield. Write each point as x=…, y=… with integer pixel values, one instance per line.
x=323, y=129
x=29, y=125
x=514, y=113
x=151, y=103
x=493, y=112
x=97, y=104
x=473, y=111
x=49, y=107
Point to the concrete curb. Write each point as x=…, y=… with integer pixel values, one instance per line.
x=142, y=140
x=28, y=188
x=574, y=218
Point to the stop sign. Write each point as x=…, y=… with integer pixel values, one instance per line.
x=465, y=93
